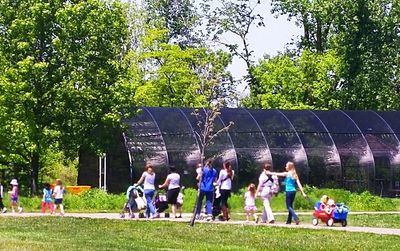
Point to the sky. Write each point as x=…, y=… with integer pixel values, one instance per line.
x=268, y=40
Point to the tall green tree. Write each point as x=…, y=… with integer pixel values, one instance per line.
x=168, y=75
x=61, y=76
x=178, y=17
x=227, y=17
x=310, y=81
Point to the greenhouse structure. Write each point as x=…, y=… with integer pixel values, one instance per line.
x=355, y=150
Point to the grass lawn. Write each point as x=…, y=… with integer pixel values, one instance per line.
x=39, y=233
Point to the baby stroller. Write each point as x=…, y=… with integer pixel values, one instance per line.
x=136, y=201
x=161, y=202
x=331, y=213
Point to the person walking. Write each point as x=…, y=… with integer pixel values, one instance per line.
x=266, y=192
x=47, y=199
x=14, y=193
x=2, y=207
x=172, y=183
x=58, y=194
x=250, y=203
x=148, y=178
x=291, y=179
x=224, y=181
x=207, y=177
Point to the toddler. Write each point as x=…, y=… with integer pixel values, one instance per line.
x=250, y=202
x=58, y=195
x=14, y=196
x=47, y=200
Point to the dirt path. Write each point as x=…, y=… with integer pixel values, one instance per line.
x=186, y=218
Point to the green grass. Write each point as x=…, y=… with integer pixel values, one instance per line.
x=39, y=233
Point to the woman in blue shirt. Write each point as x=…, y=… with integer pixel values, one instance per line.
x=291, y=179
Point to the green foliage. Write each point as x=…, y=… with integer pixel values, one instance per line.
x=38, y=233
x=61, y=78
x=305, y=82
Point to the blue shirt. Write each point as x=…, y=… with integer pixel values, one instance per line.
x=47, y=195
x=290, y=184
x=207, y=179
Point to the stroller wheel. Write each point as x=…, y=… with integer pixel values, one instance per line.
x=344, y=223
x=166, y=215
x=122, y=215
x=315, y=221
x=132, y=216
x=141, y=215
x=330, y=222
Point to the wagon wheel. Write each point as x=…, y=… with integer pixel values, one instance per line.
x=330, y=222
x=315, y=221
x=344, y=223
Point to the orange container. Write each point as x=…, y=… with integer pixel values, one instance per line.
x=77, y=189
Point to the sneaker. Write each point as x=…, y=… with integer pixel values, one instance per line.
x=155, y=216
x=209, y=218
x=272, y=222
x=297, y=222
x=4, y=210
x=20, y=210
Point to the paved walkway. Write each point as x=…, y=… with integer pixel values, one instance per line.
x=186, y=218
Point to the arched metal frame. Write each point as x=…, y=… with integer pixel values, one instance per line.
x=357, y=150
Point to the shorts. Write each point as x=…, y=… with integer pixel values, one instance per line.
x=58, y=201
x=225, y=194
x=172, y=195
x=250, y=208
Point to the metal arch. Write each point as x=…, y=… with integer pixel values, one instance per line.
x=330, y=136
x=230, y=139
x=298, y=137
x=386, y=123
x=262, y=133
x=159, y=130
x=191, y=127
x=366, y=142
x=129, y=157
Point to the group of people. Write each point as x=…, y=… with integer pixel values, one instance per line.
x=57, y=193
x=268, y=186
x=212, y=184
x=47, y=200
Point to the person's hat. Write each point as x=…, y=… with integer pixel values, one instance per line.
x=14, y=182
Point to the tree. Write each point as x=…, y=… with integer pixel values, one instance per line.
x=314, y=16
x=61, y=76
x=167, y=75
x=310, y=81
x=178, y=17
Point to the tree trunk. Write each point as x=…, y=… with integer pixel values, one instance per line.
x=319, y=36
x=35, y=173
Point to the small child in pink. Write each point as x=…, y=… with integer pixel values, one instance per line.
x=250, y=203
x=14, y=196
x=47, y=199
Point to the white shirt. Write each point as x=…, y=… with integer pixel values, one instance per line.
x=148, y=182
x=249, y=200
x=262, y=180
x=59, y=192
x=223, y=181
x=174, y=179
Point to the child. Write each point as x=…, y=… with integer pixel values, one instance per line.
x=47, y=200
x=2, y=207
x=250, y=202
x=58, y=195
x=323, y=206
x=14, y=196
